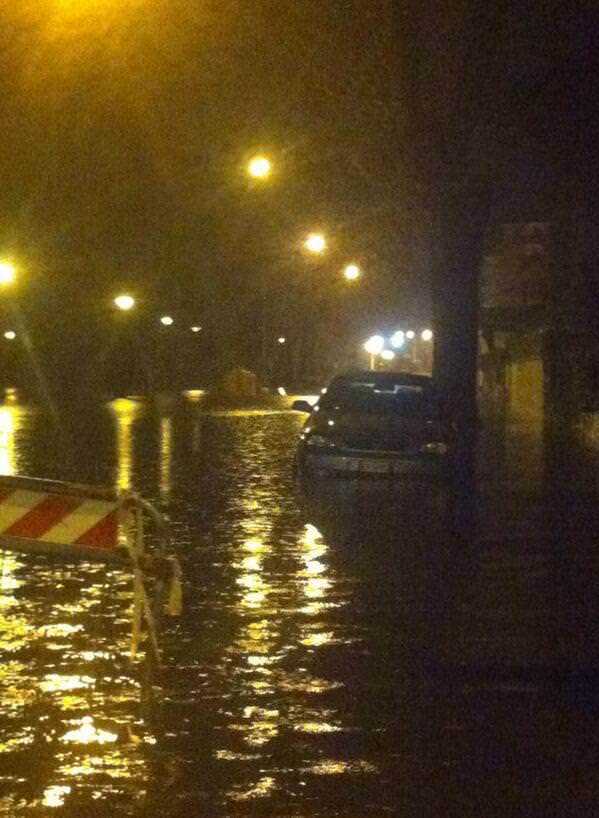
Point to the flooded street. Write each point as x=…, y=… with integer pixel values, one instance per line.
x=315, y=671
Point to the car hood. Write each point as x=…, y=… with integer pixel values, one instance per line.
x=374, y=432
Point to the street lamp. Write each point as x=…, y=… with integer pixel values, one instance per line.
x=259, y=167
x=426, y=335
x=124, y=302
x=281, y=340
x=196, y=329
x=410, y=334
x=374, y=346
x=10, y=335
x=352, y=272
x=8, y=272
x=398, y=339
x=167, y=321
x=315, y=243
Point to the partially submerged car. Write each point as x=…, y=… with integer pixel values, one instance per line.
x=371, y=422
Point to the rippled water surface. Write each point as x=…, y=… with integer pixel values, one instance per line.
x=302, y=679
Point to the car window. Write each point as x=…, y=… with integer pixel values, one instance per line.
x=405, y=400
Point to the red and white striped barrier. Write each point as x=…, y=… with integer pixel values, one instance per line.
x=84, y=522
x=43, y=516
x=56, y=519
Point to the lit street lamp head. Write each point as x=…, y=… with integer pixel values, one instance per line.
x=352, y=272
x=398, y=339
x=196, y=329
x=124, y=302
x=10, y=335
x=281, y=340
x=426, y=335
x=259, y=167
x=375, y=345
x=315, y=243
x=8, y=272
x=167, y=321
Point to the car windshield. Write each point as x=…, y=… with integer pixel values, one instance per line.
x=381, y=397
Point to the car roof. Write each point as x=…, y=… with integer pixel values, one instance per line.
x=383, y=378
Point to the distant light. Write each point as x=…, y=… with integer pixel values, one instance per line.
x=194, y=395
x=281, y=340
x=426, y=335
x=124, y=302
x=387, y=355
x=323, y=391
x=10, y=335
x=196, y=329
x=331, y=422
x=315, y=243
x=259, y=167
x=375, y=345
x=8, y=272
x=282, y=391
x=410, y=334
x=398, y=339
x=352, y=272
x=167, y=321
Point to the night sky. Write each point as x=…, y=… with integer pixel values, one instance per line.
x=124, y=130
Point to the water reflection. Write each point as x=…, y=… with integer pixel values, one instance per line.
x=55, y=796
x=313, y=581
x=88, y=733
x=298, y=681
x=268, y=698
x=166, y=457
x=285, y=595
x=69, y=695
x=14, y=628
x=12, y=421
x=126, y=413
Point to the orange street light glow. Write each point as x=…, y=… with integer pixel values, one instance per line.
x=259, y=167
x=8, y=272
x=124, y=302
x=315, y=243
x=375, y=345
x=352, y=272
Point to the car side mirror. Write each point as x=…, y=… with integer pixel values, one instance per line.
x=302, y=406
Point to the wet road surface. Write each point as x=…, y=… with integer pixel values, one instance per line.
x=323, y=666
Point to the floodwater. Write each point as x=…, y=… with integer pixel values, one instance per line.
x=324, y=665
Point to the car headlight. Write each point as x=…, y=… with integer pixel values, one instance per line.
x=435, y=448
x=320, y=441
